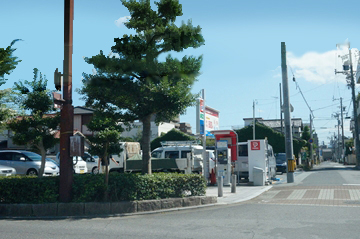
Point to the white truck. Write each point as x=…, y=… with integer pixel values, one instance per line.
x=172, y=156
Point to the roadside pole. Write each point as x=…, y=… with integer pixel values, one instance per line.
x=204, y=136
x=342, y=133
x=357, y=140
x=67, y=110
x=311, y=143
x=288, y=133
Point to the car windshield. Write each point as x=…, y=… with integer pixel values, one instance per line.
x=280, y=158
x=156, y=154
x=33, y=156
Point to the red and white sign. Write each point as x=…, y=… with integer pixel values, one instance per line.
x=255, y=145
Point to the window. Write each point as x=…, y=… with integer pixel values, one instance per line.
x=184, y=153
x=243, y=150
x=156, y=154
x=5, y=156
x=172, y=154
x=32, y=156
x=18, y=156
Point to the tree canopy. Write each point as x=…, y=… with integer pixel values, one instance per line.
x=8, y=62
x=275, y=139
x=172, y=135
x=135, y=84
x=106, y=139
x=37, y=129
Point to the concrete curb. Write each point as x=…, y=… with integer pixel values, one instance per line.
x=90, y=209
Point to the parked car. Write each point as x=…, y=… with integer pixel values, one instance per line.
x=80, y=166
x=91, y=163
x=7, y=171
x=281, y=163
x=27, y=163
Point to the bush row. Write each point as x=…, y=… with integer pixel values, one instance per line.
x=92, y=188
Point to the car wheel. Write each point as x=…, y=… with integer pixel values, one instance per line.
x=32, y=172
x=95, y=170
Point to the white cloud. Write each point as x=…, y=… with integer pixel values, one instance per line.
x=120, y=22
x=94, y=72
x=313, y=67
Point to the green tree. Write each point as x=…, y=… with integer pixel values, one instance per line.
x=306, y=136
x=134, y=81
x=172, y=135
x=349, y=145
x=8, y=63
x=37, y=129
x=275, y=138
x=105, y=141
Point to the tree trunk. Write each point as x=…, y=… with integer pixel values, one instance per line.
x=43, y=158
x=106, y=166
x=145, y=141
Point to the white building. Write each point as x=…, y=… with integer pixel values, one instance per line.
x=156, y=130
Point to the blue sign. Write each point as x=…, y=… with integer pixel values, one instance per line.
x=202, y=127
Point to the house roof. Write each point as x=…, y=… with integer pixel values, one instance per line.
x=80, y=110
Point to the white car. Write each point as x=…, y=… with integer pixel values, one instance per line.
x=80, y=166
x=91, y=163
x=7, y=171
x=27, y=163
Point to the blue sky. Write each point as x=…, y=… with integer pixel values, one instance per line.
x=241, y=52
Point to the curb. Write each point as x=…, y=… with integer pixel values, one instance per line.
x=92, y=209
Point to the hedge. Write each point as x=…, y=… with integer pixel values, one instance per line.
x=91, y=188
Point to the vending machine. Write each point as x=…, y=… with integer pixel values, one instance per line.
x=223, y=157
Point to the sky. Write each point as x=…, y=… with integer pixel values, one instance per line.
x=241, y=55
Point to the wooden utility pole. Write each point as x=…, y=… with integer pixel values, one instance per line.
x=281, y=111
x=67, y=110
x=288, y=133
x=342, y=132
x=357, y=140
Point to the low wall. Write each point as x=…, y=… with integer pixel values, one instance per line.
x=99, y=208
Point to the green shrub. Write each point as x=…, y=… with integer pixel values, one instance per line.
x=17, y=189
x=91, y=188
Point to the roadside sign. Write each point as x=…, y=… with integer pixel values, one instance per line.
x=255, y=145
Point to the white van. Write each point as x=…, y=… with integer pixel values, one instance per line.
x=80, y=166
x=179, y=152
x=242, y=163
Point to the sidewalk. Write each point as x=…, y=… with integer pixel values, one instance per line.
x=243, y=193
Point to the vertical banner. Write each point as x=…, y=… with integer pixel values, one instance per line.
x=207, y=116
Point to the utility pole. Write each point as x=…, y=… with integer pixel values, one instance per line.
x=288, y=133
x=254, y=120
x=204, y=136
x=355, y=105
x=357, y=141
x=338, y=126
x=67, y=110
x=311, y=143
x=281, y=110
x=342, y=131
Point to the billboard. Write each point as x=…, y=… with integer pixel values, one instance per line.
x=206, y=116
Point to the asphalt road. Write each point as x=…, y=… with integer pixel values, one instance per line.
x=324, y=203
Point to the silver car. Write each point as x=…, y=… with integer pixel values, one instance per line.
x=27, y=163
x=7, y=171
